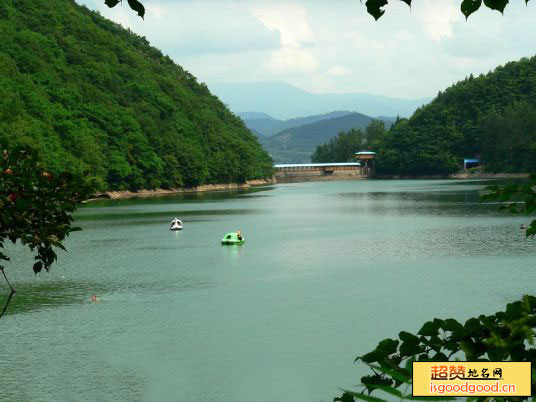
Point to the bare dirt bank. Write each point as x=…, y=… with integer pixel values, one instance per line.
x=204, y=188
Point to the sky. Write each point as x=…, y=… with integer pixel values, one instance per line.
x=333, y=45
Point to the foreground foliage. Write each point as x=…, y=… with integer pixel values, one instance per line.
x=92, y=96
x=36, y=207
x=467, y=7
x=517, y=199
x=504, y=336
x=374, y=7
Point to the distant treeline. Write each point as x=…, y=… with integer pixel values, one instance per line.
x=492, y=116
x=90, y=95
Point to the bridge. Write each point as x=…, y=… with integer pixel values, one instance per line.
x=291, y=172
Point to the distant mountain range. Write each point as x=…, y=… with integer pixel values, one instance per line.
x=284, y=101
x=296, y=144
x=263, y=124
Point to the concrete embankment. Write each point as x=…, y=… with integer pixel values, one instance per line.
x=199, y=189
x=317, y=177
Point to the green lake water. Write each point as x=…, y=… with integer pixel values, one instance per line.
x=328, y=269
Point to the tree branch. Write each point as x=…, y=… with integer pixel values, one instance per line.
x=10, y=294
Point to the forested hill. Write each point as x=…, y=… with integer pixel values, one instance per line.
x=89, y=94
x=296, y=144
x=491, y=115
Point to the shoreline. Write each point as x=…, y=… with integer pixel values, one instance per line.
x=456, y=176
x=116, y=195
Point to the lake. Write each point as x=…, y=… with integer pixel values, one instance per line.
x=328, y=270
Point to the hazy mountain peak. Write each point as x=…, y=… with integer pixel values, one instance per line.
x=285, y=101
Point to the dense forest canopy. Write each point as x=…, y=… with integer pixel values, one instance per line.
x=488, y=116
x=491, y=117
x=343, y=147
x=90, y=95
x=296, y=144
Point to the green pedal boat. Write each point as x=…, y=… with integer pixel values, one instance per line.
x=233, y=238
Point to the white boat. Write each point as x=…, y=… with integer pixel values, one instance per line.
x=176, y=224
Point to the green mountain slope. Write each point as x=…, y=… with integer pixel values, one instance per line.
x=296, y=144
x=89, y=94
x=466, y=120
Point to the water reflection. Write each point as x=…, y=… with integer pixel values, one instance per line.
x=180, y=313
x=99, y=215
x=233, y=252
x=199, y=197
x=33, y=296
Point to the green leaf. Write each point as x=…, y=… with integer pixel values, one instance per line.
x=531, y=229
x=369, y=357
x=409, y=365
x=371, y=381
x=38, y=267
x=346, y=397
x=496, y=354
x=387, y=346
x=392, y=373
x=410, y=349
x=408, y=337
x=430, y=328
x=468, y=7
x=498, y=5
x=374, y=8
x=137, y=6
x=452, y=325
x=111, y=3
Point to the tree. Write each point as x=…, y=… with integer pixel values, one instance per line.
x=340, y=148
x=92, y=96
x=36, y=208
x=374, y=7
x=375, y=134
x=134, y=4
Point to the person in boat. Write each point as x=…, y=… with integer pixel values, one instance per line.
x=239, y=235
x=95, y=299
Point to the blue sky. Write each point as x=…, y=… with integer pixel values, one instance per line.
x=333, y=46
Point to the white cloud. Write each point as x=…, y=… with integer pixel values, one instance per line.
x=292, y=60
x=333, y=46
x=290, y=19
x=338, y=70
x=438, y=17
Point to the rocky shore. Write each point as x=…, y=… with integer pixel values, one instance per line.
x=204, y=188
